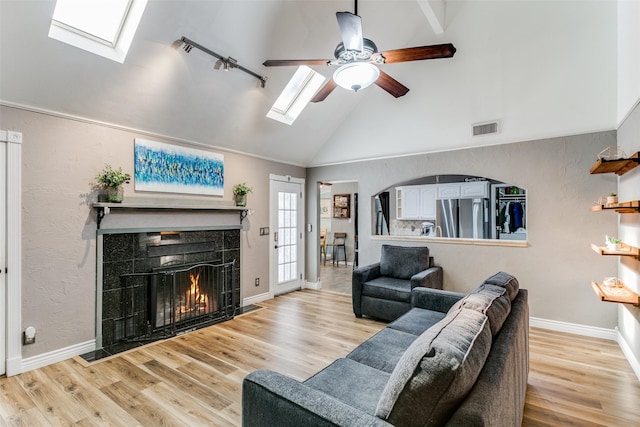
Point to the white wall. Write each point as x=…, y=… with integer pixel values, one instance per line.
x=628, y=56
x=60, y=160
x=558, y=263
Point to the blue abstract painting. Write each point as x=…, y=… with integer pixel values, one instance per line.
x=174, y=169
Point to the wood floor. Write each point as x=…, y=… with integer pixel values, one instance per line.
x=196, y=379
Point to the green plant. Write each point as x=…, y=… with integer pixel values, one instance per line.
x=241, y=189
x=110, y=177
x=613, y=240
x=612, y=194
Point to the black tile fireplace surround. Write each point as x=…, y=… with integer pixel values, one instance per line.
x=139, y=266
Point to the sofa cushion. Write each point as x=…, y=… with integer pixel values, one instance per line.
x=490, y=300
x=351, y=382
x=388, y=288
x=402, y=262
x=417, y=320
x=383, y=350
x=507, y=281
x=437, y=371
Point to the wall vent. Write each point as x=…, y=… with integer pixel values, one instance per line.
x=485, y=128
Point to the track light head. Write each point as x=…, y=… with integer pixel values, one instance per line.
x=187, y=47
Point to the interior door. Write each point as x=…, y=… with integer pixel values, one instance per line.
x=3, y=254
x=287, y=237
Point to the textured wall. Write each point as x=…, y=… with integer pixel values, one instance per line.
x=558, y=263
x=60, y=160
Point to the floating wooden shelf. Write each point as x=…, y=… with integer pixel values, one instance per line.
x=625, y=250
x=615, y=294
x=619, y=166
x=624, y=207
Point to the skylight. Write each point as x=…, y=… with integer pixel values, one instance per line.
x=103, y=27
x=296, y=95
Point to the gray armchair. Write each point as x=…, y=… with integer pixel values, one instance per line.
x=383, y=290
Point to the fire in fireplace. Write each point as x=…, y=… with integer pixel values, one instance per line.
x=186, y=294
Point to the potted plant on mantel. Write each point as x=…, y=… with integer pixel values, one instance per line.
x=240, y=192
x=111, y=181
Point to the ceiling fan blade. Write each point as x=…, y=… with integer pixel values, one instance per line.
x=285, y=62
x=391, y=85
x=418, y=53
x=350, y=30
x=324, y=91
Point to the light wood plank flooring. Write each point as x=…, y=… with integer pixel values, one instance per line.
x=336, y=278
x=196, y=379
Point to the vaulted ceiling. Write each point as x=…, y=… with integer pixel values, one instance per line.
x=541, y=68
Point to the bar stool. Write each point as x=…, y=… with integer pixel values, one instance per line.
x=339, y=242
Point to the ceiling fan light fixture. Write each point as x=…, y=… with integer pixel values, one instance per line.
x=356, y=76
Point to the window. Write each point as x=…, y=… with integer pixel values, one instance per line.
x=296, y=95
x=102, y=27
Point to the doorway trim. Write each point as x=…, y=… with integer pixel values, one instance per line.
x=13, y=308
x=272, y=222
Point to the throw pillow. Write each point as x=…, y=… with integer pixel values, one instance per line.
x=507, y=281
x=437, y=371
x=490, y=300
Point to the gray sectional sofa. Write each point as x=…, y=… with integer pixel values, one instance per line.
x=453, y=359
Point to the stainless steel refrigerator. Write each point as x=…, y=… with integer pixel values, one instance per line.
x=463, y=218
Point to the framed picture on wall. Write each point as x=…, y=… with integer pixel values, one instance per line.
x=342, y=205
x=325, y=208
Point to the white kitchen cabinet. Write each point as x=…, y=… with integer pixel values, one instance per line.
x=476, y=189
x=463, y=190
x=427, y=206
x=416, y=202
x=449, y=191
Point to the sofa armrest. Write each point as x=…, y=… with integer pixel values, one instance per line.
x=358, y=277
x=434, y=299
x=429, y=278
x=272, y=399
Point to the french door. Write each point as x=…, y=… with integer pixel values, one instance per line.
x=287, y=236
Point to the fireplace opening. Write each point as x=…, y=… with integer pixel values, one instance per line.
x=175, y=299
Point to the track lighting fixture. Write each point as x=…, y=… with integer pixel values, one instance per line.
x=226, y=63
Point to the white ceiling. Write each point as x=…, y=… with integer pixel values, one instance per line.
x=542, y=68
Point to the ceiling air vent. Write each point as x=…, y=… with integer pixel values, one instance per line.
x=485, y=128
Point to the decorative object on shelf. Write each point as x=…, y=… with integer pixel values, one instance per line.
x=240, y=192
x=342, y=206
x=611, y=153
x=111, y=181
x=612, y=199
x=611, y=282
x=174, y=169
x=613, y=243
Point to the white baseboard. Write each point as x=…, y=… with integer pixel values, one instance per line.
x=56, y=356
x=573, y=328
x=312, y=285
x=256, y=299
x=628, y=353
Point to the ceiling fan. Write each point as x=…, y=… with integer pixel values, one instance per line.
x=358, y=59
